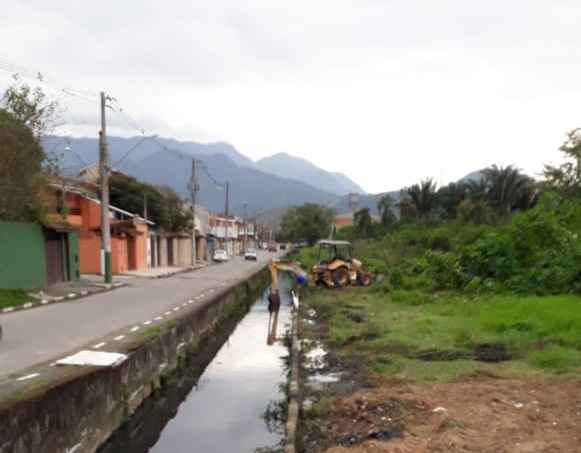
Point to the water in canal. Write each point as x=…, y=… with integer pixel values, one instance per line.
x=222, y=404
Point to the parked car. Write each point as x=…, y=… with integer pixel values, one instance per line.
x=250, y=254
x=220, y=256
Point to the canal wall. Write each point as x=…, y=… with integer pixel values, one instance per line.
x=76, y=409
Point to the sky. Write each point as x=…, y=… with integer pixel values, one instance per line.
x=388, y=92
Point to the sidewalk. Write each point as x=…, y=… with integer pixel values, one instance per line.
x=50, y=332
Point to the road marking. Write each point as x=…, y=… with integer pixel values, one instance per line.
x=185, y=304
x=120, y=337
x=158, y=318
x=28, y=376
x=168, y=313
x=146, y=323
x=176, y=309
x=190, y=301
x=134, y=329
x=99, y=345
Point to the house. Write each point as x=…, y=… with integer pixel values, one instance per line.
x=225, y=233
x=175, y=248
x=343, y=220
x=247, y=236
x=77, y=206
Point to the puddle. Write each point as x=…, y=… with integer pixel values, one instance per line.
x=231, y=405
x=329, y=378
x=315, y=359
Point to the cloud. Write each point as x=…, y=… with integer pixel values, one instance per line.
x=386, y=91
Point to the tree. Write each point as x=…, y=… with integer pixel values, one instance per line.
x=21, y=158
x=566, y=178
x=507, y=187
x=309, y=223
x=407, y=210
x=477, y=212
x=386, y=206
x=450, y=197
x=31, y=106
x=164, y=206
x=362, y=223
x=176, y=218
x=422, y=197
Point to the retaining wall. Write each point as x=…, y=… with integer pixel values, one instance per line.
x=75, y=410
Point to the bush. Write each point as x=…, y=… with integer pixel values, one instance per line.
x=445, y=270
x=376, y=265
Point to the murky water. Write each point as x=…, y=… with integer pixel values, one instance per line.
x=223, y=408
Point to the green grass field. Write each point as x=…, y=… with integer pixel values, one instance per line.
x=12, y=298
x=415, y=335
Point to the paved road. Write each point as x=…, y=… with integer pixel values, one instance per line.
x=45, y=333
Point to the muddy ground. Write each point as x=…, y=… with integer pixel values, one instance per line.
x=485, y=413
x=476, y=415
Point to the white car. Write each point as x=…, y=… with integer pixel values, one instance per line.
x=220, y=256
x=250, y=254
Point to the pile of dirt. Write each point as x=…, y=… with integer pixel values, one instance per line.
x=481, y=415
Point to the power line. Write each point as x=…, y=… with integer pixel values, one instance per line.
x=21, y=71
x=133, y=148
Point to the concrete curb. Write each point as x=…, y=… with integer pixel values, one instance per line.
x=167, y=274
x=293, y=393
x=69, y=297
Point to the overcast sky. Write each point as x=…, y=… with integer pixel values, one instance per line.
x=386, y=91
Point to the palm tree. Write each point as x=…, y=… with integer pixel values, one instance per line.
x=423, y=197
x=362, y=221
x=385, y=206
x=506, y=187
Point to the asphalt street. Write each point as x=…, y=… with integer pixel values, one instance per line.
x=46, y=333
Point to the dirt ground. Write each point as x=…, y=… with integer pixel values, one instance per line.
x=484, y=415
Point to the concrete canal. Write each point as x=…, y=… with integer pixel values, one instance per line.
x=226, y=398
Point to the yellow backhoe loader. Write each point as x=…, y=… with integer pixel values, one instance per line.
x=335, y=268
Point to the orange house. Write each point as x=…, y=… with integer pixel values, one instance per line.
x=129, y=234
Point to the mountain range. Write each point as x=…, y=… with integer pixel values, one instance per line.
x=274, y=182
x=267, y=186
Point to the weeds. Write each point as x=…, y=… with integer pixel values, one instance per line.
x=12, y=298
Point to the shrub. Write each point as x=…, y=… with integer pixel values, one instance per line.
x=445, y=270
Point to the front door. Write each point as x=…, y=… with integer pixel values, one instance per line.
x=53, y=244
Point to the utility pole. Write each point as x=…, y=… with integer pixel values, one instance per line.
x=245, y=227
x=226, y=206
x=145, y=206
x=104, y=174
x=194, y=191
